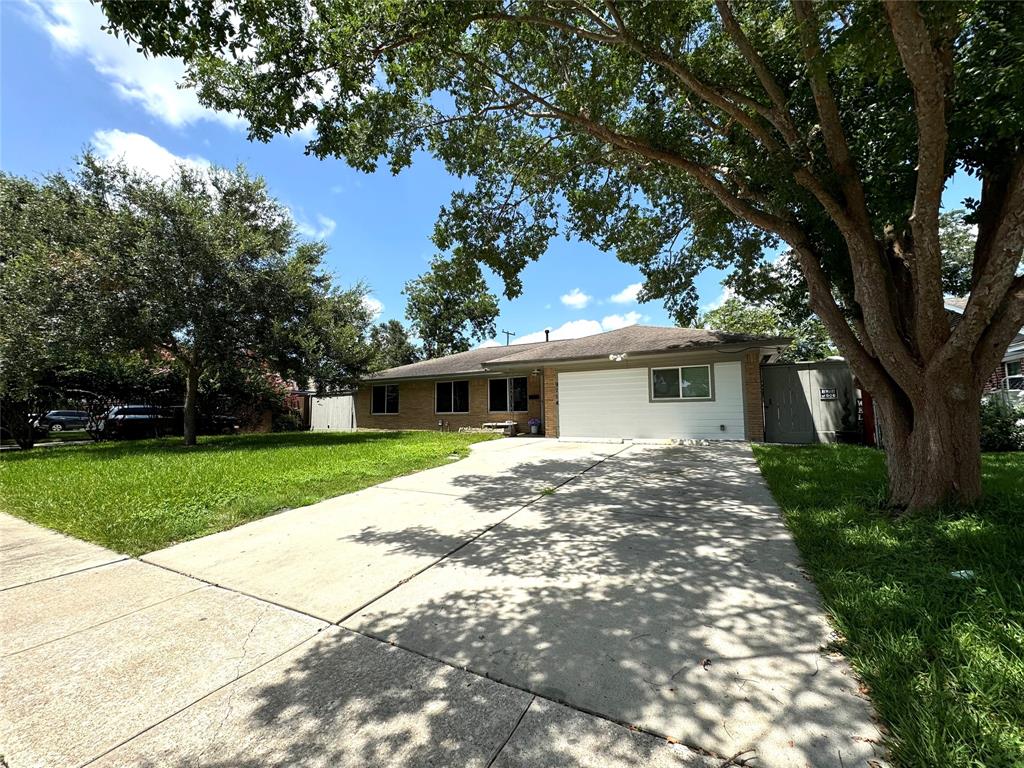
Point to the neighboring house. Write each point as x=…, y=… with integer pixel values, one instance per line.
x=1009, y=374
x=637, y=382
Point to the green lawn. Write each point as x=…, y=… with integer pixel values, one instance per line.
x=139, y=496
x=943, y=657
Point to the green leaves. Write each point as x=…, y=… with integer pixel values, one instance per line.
x=450, y=306
x=810, y=339
x=203, y=269
x=606, y=121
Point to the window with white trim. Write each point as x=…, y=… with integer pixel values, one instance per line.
x=1014, y=375
x=508, y=395
x=451, y=397
x=385, y=399
x=687, y=382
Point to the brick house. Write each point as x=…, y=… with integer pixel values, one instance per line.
x=1009, y=374
x=637, y=382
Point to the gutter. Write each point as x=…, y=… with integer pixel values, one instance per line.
x=738, y=346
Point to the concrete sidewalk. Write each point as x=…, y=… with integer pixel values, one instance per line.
x=532, y=601
x=120, y=663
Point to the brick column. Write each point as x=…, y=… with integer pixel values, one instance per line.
x=753, y=405
x=550, y=402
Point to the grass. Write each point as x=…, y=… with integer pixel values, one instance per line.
x=943, y=657
x=135, y=497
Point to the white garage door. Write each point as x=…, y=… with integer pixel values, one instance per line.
x=615, y=403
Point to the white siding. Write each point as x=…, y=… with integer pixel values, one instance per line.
x=335, y=414
x=615, y=403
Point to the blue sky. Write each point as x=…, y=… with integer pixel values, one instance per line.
x=66, y=84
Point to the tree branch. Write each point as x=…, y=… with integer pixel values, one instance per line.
x=998, y=334
x=780, y=117
x=997, y=280
x=871, y=282
x=925, y=70
x=828, y=111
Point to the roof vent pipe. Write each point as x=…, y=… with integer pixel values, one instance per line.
x=547, y=334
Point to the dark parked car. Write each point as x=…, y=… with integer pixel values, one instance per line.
x=206, y=424
x=58, y=421
x=133, y=421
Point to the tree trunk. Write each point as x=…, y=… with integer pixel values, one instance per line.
x=191, y=391
x=933, y=445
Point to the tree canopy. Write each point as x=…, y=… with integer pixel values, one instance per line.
x=682, y=135
x=450, y=306
x=202, y=270
x=392, y=346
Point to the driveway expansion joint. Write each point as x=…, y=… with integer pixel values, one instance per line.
x=512, y=733
x=93, y=567
x=106, y=621
x=533, y=500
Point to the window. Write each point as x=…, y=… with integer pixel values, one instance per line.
x=690, y=382
x=385, y=399
x=1014, y=375
x=451, y=397
x=507, y=395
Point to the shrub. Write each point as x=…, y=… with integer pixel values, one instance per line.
x=287, y=421
x=1002, y=425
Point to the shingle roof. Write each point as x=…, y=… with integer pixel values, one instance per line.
x=450, y=365
x=636, y=339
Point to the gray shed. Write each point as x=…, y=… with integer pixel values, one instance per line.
x=813, y=402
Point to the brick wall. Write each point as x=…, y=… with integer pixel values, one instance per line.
x=753, y=408
x=550, y=402
x=416, y=407
x=995, y=381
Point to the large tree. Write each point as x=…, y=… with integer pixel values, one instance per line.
x=52, y=242
x=687, y=134
x=201, y=270
x=450, y=305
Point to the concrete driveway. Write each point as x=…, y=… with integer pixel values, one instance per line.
x=533, y=601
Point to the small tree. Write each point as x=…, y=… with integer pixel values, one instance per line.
x=450, y=306
x=215, y=277
x=392, y=345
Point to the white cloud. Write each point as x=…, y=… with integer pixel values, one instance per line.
x=321, y=230
x=573, y=329
x=489, y=343
x=143, y=153
x=74, y=27
x=576, y=299
x=726, y=294
x=376, y=306
x=627, y=295
x=614, y=322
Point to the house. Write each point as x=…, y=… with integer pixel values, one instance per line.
x=640, y=382
x=1009, y=374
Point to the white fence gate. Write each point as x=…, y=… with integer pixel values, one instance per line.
x=336, y=413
